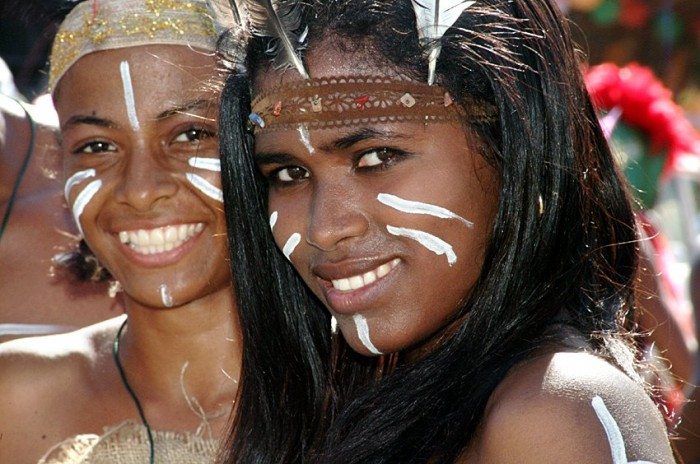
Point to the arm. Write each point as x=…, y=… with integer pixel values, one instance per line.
x=561, y=409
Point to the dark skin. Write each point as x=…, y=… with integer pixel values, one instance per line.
x=688, y=444
x=541, y=412
x=40, y=226
x=53, y=388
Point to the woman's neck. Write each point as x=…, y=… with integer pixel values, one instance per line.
x=193, y=351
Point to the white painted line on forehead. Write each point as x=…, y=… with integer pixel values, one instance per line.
x=165, y=296
x=129, y=95
x=417, y=207
x=305, y=138
x=431, y=242
x=76, y=178
x=208, y=164
x=291, y=244
x=204, y=186
x=612, y=431
x=273, y=220
x=83, y=199
x=363, y=333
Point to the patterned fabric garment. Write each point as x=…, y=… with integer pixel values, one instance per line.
x=127, y=443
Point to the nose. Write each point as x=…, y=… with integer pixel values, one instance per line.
x=336, y=216
x=144, y=181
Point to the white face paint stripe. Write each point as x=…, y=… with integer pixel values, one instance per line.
x=612, y=430
x=129, y=95
x=306, y=138
x=83, y=199
x=291, y=244
x=431, y=242
x=417, y=207
x=208, y=164
x=205, y=187
x=165, y=296
x=77, y=178
x=363, y=333
x=273, y=220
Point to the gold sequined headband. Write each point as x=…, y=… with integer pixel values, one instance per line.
x=343, y=101
x=110, y=24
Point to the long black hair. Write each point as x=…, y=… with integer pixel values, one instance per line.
x=562, y=248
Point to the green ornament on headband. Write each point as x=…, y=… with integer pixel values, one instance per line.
x=94, y=26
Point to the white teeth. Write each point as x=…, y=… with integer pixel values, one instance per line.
x=359, y=281
x=160, y=239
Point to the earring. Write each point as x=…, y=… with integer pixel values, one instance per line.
x=114, y=287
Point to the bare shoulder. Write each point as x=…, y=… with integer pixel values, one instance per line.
x=571, y=407
x=44, y=384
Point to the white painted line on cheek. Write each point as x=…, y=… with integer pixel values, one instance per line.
x=129, y=95
x=612, y=430
x=431, y=242
x=291, y=244
x=305, y=138
x=83, y=199
x=363, y=333
x=77, y=178
x=203, y=185
x=165, y=296
x=208, y=164
x=417, y=207
x=273, y=220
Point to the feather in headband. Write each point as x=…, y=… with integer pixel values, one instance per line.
x=434, y=18
x=280, y=20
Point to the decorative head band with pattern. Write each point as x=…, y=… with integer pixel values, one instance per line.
x=346, y=101
x=110, y=24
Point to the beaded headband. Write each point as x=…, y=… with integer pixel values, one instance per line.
x=110, y=24
x=342, y=101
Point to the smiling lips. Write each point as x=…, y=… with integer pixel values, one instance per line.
x=160, y=239
x=358, y=281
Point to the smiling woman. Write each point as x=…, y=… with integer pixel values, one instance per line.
x=435, y=177
x=139, y=140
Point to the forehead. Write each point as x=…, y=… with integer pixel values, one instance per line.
x=332, y=59
x=161, y=75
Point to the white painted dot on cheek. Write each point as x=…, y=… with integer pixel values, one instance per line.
x=204, y=186
x=165, y=296
x=431, y=242
x=273, y=220
x=291, y=244
x=76, y=178
x=363, y=333
x=418, y=207
x=129, y=95
x=82, y=200
x=207, y=164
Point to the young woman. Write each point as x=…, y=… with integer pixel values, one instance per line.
x=446, y=197
x=138, y=118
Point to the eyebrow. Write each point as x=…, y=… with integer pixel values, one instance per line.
x=365, y=133
x=274, y=158
x=92, y=120
x=185, y=107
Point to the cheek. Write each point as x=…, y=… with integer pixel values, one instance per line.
x=206, y=181
x=288, y=228
x=80, y=190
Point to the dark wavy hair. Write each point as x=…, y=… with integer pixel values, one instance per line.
x=305, y=395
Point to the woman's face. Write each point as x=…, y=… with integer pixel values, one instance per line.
x=386, y=223
x=140, y=149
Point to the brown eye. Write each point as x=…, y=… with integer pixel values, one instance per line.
x=375, y=158
x=97, y=146
x=291, y=174
x=193, y=135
